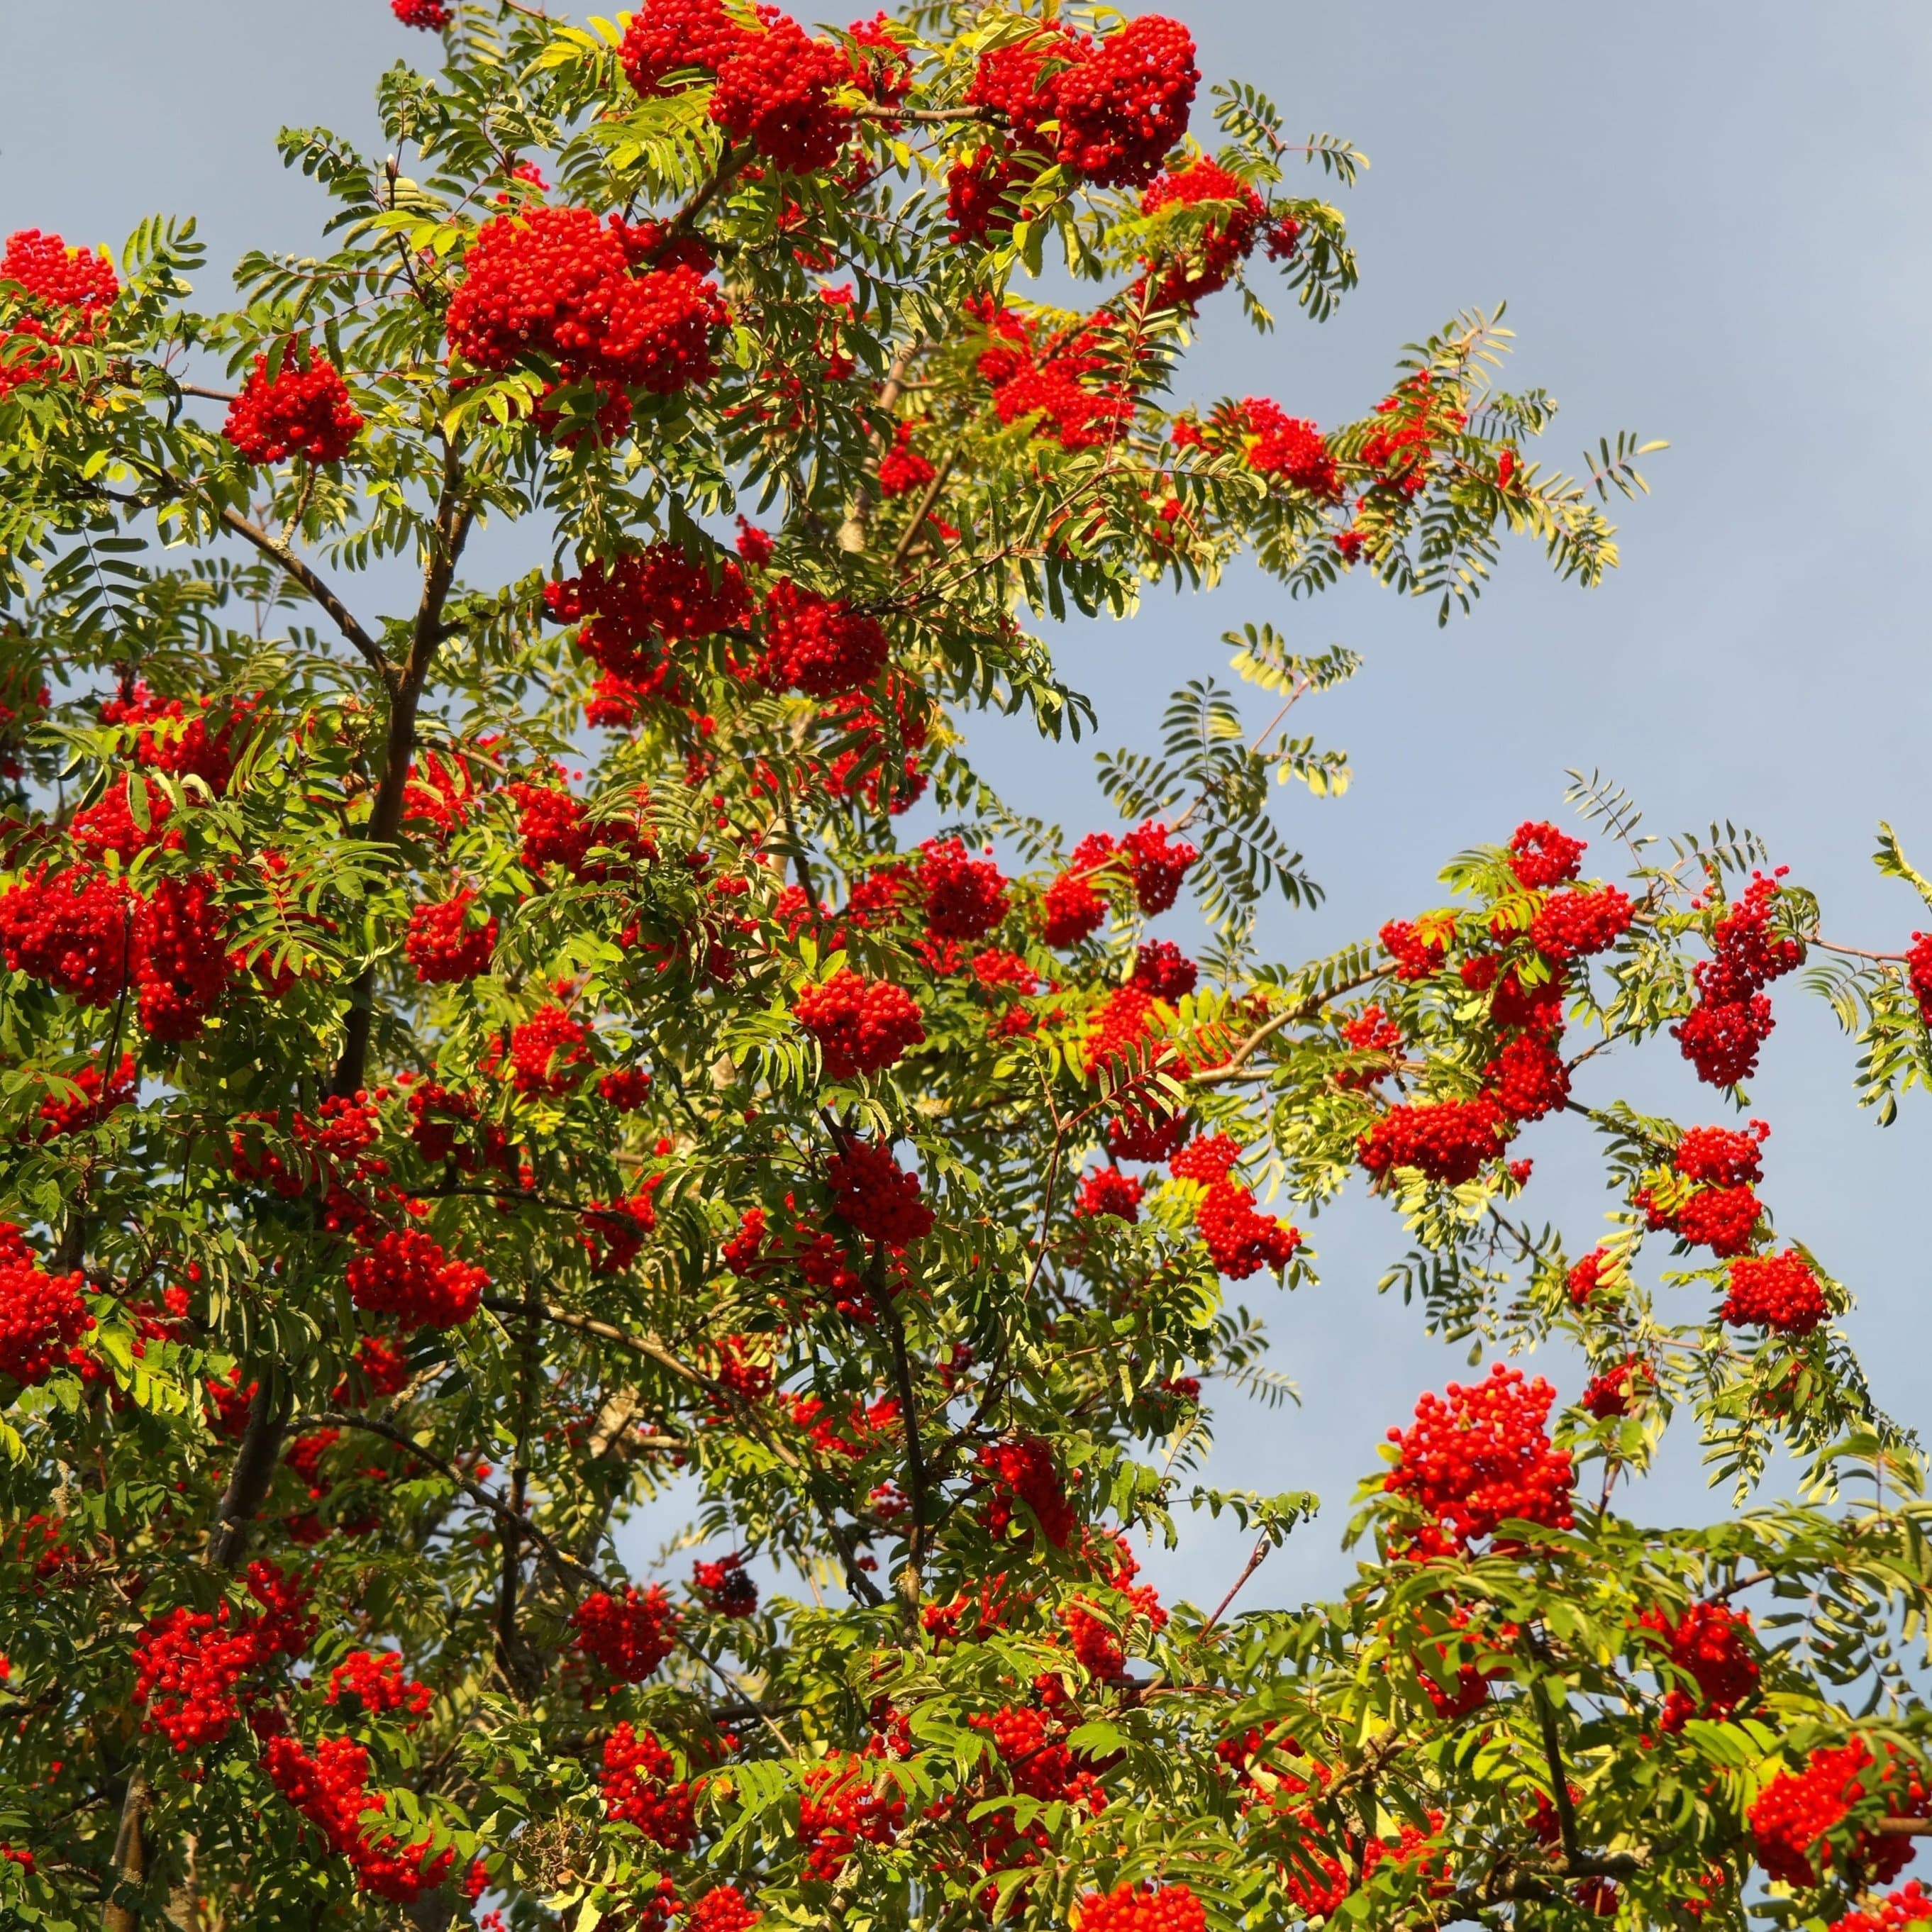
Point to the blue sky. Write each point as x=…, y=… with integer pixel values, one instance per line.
x=1709, y=225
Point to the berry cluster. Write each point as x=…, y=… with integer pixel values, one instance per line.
x=819, y=645
x=1117, y=105
x=444, y=945
x=557, y=829
x=1722, y=1034
x=1241, y=1241
x=1707, y=1644
x=1481, y=1458
x=1910, y=1906
x=1137, y=1908
x=64, y=290
x=859, y=770
x=1797, y=1811
x=614, y=1231
x=1721, y=1210
x=642, y=601
x=876, y=1196
x=726, y=1585
x=42, y=1316
x=1022, y=1471
x=302, y=409
x=1071, y=908
x=376, y=1681
x=1162, y=969
x=1042, y=381
x=1449, y=1140
x=861, y=1025
x=1279, y=445
x=628, y=1635
x=549, y=1053
x=1418, y=951
x=1541, y=856
x=842, y=1806
x=402, y=1271
x=190, y=1665
x=1574, y=925
x=200, y=738
x=93, y=938
x=1613, y=1391
x=641, y=1787
x=776, y=84
x=1225, y=241
x=1106, y=1190
x=723, y=1909
x=965, y=897
x=330, y=1788
x=556, y=282
x=431, y=16
x=1780, y=1292
x=1421, y=413
x=1919, y=974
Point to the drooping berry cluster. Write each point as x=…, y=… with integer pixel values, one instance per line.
x=641, y=1787
x=1023, y=1470
x=556, y=282
x=329, y=1787
x=876, y=1196
x=1046, y=380
x=965, y=898
x=1723, y=1033
x=1721, y=1210
x=726, y=1584
x=431, y=16
x=845, y=1805
x=1106, y=1190
x=1183, y=279
x=303, y=409
x=192, y=1667
x=42, y=1316
x=376, y=1680
x=1614, y=1391
x=629, y=1635
x=1140, y=1908
x=1780, y=1292
x=402, y=1271
x=1798, y=1812
x=1241, y=1240
x=1708, y=1644
x=1449, y=1140
x=820, y=645
x=445, y=946
x=635, y=608
x=1162, y=969
x=1279, y=445
x=723, y=1909
x=775, y=84
x=56, y=297
x=1480, y=1458
x=1910, y=1906
x=861, y=1025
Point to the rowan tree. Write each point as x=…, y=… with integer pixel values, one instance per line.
x=475, y=1074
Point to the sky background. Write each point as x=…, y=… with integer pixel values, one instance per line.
x=1710, y=225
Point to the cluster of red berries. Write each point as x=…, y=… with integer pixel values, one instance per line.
x=723, y=1909
x=819, y=645
x=557, y=829
x=42, y=1316
x=1449, y=1140
x=1911, y=1906
x=1613, y=1391
x=775, y=85
x=443, y=944
x=642, y=601
x=65, y=289
x=1043, y=380
x=1418, y=952
x=1797, y=1812
x=93, y=938
x=1225, y=240
x=641, y=1787
x=431, y=16
x=726, y=1585
x=843, y=1805
x=876, y=1196
x=1022, y=1471
x=549, y=1053
x=1575, y=925
x=1279, y=445
x=1723, y=1033
x=1481, y=1458
x=200, y=738
x=1707, y=1643
x=1241, y=1241
x=613, y=1231
x=1140, y=1908
x=1421, y=413
x=190, y=1665
x=329, y=1787
x=858, y=771
x=403, y=1272
x=965, y=898
x=377, y=1681
x=1117, y=106
x=628, y=1635
x=1780, y=1292
x=557, y=282
x=1721, y=1211
x=1106, y=1190
x=1162, y=969
x=1542, y=856
x=302, y=409
x=861, y=1025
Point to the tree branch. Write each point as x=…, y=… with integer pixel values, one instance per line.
x=344, y=618
x=916, y=1492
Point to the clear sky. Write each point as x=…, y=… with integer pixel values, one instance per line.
x=1711, y=225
